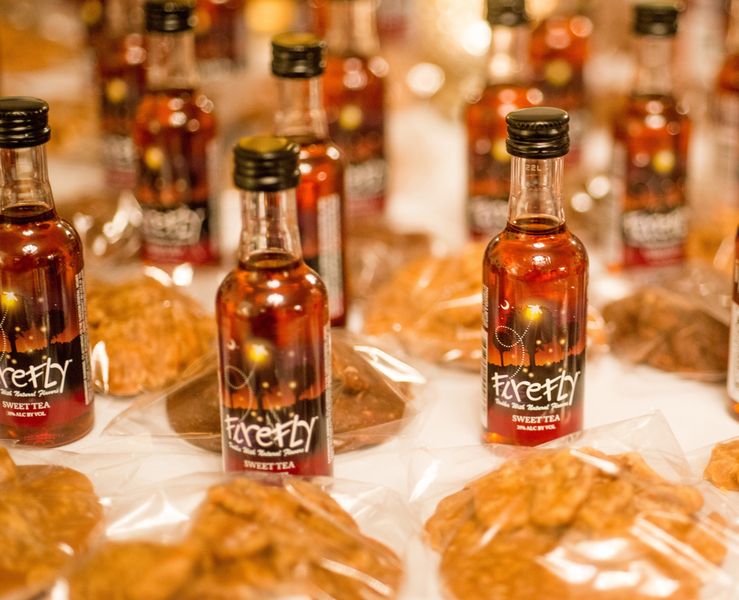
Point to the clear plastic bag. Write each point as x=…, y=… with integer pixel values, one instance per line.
x=718, y=465
x=215, y=536
x=372, y=395
x=433, y=308
x=375, y=251
x=146, y=332
x=108, y=225
x=51, y=510
x=678, y=323
x=609, y=513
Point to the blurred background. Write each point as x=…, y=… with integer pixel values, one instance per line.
x=435, y=52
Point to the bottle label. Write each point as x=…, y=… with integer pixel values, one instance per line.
x=652, y=221
x=330, y=264
x=179, y=226
x=176, y=234
x=365, y=187
x=484, y=358
x=727, y=141
x=176, y=190
x=79, y=289
x=327, y=386
x=45, y=378
x=487, y=216
x=276, y=414
x=653, y=238
x=534, y=371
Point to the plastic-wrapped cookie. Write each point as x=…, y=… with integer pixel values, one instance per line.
x=48, y=514
x=723, y=467
x=143, y=335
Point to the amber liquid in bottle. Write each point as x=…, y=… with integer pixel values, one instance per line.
x=46, y=396
x=650, y=164
x=121, y=79
x=732, y=377
x=320, y=193
x=488, y=162
x=534, y=315
x=354, y=97
x=726, y=115
x=560, y=47
x=220, y=36
x=272, y=313
x=174, y=135
x=320, y=208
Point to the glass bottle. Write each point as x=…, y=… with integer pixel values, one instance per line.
x=726, y=111
x=649, y=216
x=45, y=382
x=508, y=88
x=298, y=63
x=273, y=324
x=535, y=275
x=354, y=94
x=121, y=77
x=174, y=133
x=220, y=36
x=560, y=48
x=732, y=377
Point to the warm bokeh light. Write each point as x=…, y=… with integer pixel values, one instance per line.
x=257, y=353
x=9, y=299
x=533, y=312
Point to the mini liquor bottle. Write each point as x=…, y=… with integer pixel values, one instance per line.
x=273, y=326
x=45, y=383
x=732, y=377
x=298, y=63
x=354, y=93
x=535, y=275
x=220, y=36
x=120, y=78
x=726, y=111
x=560, y=47
x=508, y=88
x=649, y=215
x=174, y=134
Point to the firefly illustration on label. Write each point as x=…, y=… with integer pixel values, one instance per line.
x=44, y=360
x=276, y=409
x=534, y=370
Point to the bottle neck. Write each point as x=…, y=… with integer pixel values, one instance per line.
x=352, y=27
x=300, y=111
x=654, y=65
x=270, y=224
x=171, y=61
x=536, y=193
x=509, y=49
x=24, y=179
